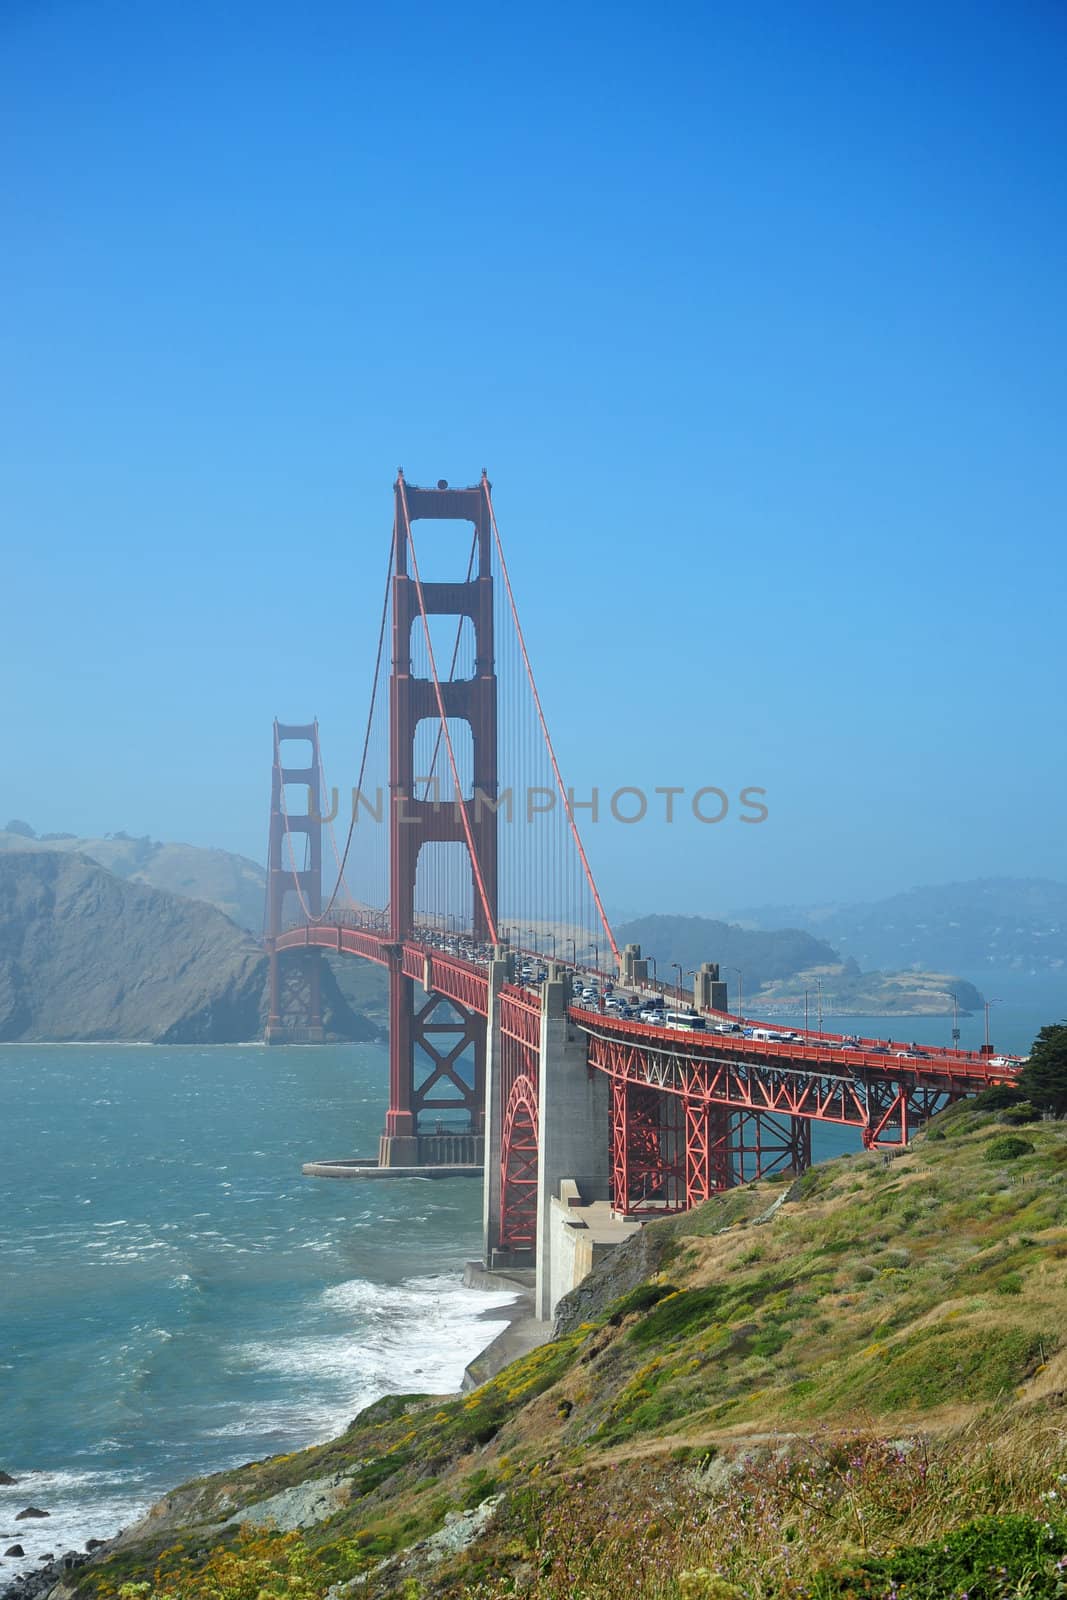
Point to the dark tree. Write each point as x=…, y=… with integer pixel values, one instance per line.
x=1043, y=1080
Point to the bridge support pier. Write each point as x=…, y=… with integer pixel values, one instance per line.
x=574, y=1120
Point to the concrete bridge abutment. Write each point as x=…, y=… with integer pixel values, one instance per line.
x=574, y=1119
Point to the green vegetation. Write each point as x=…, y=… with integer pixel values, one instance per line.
x=1044, y=1078
x=865, y=1397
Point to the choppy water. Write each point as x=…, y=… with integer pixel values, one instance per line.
x=176, y=1298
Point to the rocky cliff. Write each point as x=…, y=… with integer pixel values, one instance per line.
x=85, y=955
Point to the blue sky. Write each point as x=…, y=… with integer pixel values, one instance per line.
x=755, y=313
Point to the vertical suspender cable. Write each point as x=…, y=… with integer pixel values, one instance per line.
x=544, y=727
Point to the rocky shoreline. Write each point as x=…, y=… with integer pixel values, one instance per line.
x=523, y=1332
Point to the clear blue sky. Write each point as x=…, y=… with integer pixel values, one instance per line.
x=755, y=313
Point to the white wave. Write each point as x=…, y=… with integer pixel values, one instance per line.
x=390, y=1339
x=80, y=1506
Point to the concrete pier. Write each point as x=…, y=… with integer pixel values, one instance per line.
x=574, y=1121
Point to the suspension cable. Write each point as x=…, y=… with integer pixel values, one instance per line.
x=367, y=733
x=569, y=809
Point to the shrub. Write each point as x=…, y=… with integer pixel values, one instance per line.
x=973, y=1561
x=643, y=1298
x=997, y=1097
x=1008, y=1147
x=1015, y=1116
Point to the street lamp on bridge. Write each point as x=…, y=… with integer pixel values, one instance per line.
x=574, y=952
x=955, y=1021
x=740, y=983
x=677, y=965
x=987, y=1049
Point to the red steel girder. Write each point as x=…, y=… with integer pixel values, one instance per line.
x=518, y=1168
x=875, y=1107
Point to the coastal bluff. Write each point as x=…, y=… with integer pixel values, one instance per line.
x=87, y=956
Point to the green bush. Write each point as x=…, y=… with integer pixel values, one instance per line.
x=997, y=1097
x=643, y=1298
x=985, y=1560
x=1008, y=1147
x=1016, y=1116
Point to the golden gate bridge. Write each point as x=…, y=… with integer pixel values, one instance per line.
x=463, y=874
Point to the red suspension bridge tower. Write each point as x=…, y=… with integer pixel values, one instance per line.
x=420, y=820
x=295, y=993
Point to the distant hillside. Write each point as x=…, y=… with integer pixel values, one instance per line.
x=232, y=883
x=87, y=955
x=986, y=923
x=779, y=964
x=762, y=956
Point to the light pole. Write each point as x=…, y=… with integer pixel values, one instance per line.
x=956, y=1023
x=596, y=956
x=574, y=952
x=987, y=1048
x=740, y=1001
x=551, y=935
x=818, y=985
x=677, y=965
x=655, y=976
x=806, y=993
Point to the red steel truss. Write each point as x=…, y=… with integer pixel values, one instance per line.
x=520, y=1039
x=686, y=1126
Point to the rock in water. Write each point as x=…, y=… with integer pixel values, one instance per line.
x=5, y=1478
x=14, y=1550
x=32, y=1511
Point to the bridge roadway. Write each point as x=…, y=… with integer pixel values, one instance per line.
x=818, y=1077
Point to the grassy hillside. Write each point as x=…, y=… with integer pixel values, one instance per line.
x=851, y=1385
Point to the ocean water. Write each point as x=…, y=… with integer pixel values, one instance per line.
x=175, y=1298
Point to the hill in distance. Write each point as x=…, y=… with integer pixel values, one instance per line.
x=780, y=963
x=86, y=955
x=851, y=1384
x=233, y=883
x=980, y=925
